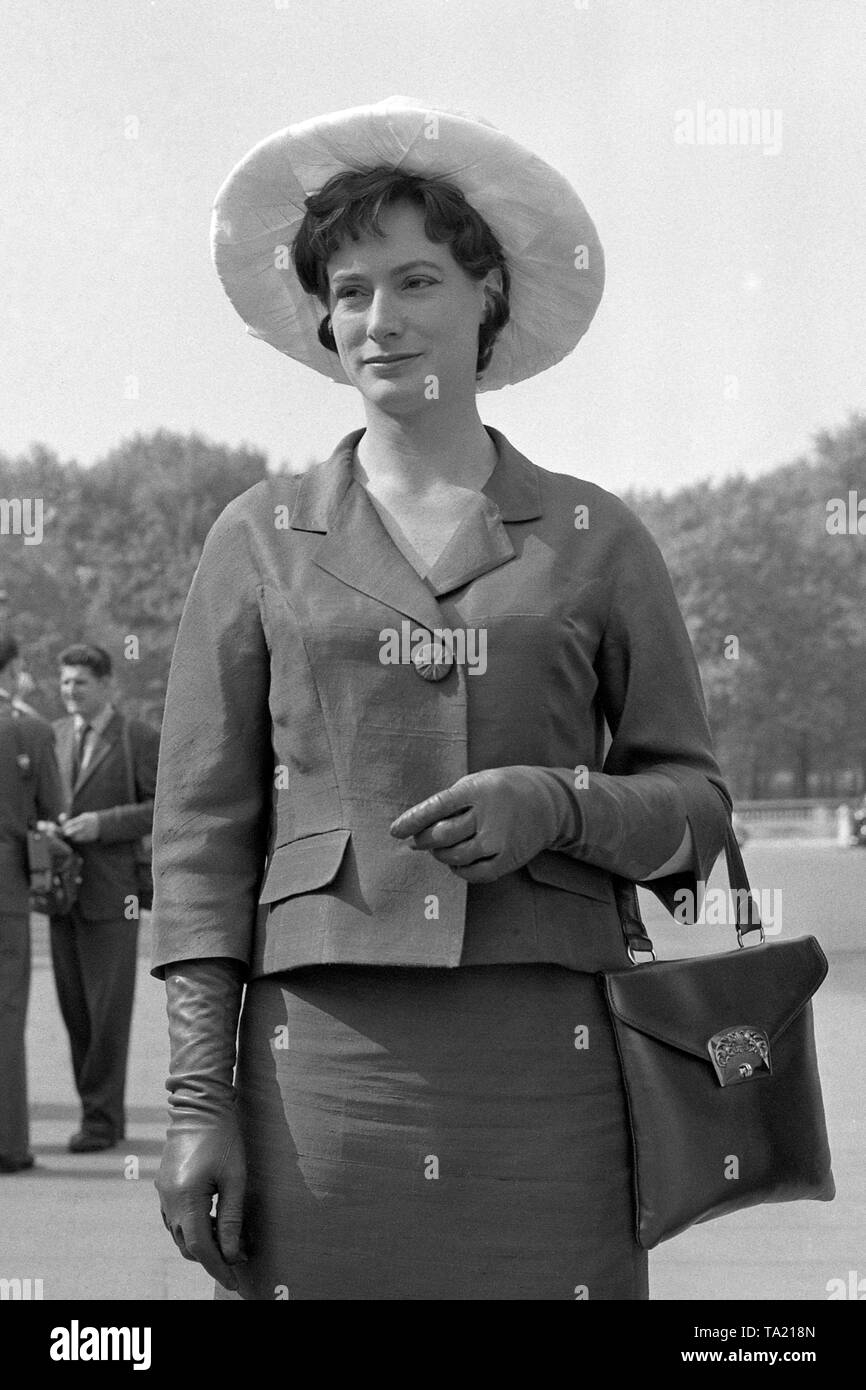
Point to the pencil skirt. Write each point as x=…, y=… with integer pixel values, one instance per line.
x=430, y=1133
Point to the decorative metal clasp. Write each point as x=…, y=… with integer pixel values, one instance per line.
x=744, y=931
x=740, y=1054
x=635, y=951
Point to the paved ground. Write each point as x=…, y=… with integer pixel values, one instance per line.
x=89, y=1226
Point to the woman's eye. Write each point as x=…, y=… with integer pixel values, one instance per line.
x=411, y=282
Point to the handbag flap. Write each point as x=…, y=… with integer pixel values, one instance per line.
x=685, y=1002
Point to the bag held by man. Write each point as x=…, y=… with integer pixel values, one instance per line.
x=721, y=1076
x=54, y=868
x=55, y=873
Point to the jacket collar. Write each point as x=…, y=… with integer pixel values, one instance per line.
x=98, y=724
x=358, y=550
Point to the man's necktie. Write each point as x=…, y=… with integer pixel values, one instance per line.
x=80, y=750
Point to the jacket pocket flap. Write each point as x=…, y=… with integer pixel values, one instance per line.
x=302, y=865
x=684, y=1003
x=561, y=871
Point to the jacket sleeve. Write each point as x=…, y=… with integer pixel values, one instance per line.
x=131, y=822
x=50, y=792
x=660, y=771
x=215, y=777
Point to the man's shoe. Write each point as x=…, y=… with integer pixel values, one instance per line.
x=16, y=1165
x=84, y=1143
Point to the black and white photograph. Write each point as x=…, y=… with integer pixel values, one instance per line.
x=433, y=662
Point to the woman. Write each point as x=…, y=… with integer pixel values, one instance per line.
x=384, y=802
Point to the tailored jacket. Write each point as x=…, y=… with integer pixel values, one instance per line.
x=292, y=736
x=103, y=785
x=30, y=790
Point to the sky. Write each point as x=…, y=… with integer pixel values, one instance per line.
x=733, y=325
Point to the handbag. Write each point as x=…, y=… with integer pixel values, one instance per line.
x=55, y=873
x=54, y=868
x=720, y=1072
x=143, y=846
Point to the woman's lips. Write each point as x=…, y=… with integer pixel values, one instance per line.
x=391, y=361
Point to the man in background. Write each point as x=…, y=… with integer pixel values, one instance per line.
x=30, y=790
x=109, y=764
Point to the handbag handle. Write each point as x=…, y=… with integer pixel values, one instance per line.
x=747, y=918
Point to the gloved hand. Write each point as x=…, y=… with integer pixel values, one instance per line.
x=490, y=823
x=204, y=1154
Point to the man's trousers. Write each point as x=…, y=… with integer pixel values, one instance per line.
x=94, y=972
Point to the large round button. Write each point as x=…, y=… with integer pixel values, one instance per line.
x=432, y=660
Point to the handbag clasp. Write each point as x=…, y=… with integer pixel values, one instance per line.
x=739, y=1054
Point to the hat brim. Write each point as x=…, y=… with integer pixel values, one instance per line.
x=551, y=246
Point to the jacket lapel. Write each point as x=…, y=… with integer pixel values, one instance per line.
x=358, y=550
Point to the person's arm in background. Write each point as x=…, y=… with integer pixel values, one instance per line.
x=132, y=820
x=49, y=789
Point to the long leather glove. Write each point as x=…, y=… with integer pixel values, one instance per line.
x=491, y=822
x=204, y=1154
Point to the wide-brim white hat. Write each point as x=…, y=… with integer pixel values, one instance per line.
x=551, y=246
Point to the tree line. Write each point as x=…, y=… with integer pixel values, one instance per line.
x=770, y=573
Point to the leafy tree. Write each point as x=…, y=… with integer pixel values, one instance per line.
x=121, y=542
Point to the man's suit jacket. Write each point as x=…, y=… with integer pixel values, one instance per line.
x=32, y=791
x=288, y=739
x=109, y=875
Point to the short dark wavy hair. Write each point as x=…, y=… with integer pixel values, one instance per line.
x=96, y=659
x=349, y=204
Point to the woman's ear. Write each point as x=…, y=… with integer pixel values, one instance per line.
x=492, y=284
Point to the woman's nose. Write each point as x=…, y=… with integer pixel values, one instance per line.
x=383, y=318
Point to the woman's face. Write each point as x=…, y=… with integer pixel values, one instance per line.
x=403, y=298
